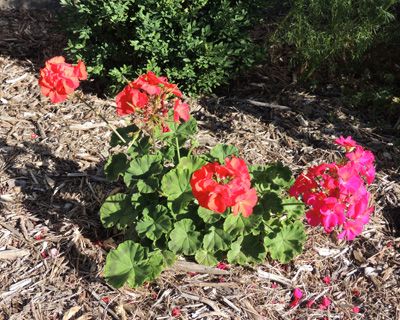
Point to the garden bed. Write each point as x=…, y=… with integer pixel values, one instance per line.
x=52, y=185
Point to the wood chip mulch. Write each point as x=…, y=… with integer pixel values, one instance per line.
x=53, y=247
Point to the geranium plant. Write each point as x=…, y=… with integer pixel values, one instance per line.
x=208, y=206
x=211, y=206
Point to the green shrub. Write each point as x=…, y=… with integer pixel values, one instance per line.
x=327, y=34
x=198, y=44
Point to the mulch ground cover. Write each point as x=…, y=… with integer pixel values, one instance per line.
x=52, y=244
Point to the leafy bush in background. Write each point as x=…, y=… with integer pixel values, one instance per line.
x=327, y=34
x=198, y=44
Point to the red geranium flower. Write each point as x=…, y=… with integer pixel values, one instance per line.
x=58, y=79
x=151, y=97
x=129, y=99
x=181, y=111
x=217, y=187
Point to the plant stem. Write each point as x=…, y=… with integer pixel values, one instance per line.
x=177, y=149
x=294, y=204
x=101, y=117
x=133, y=140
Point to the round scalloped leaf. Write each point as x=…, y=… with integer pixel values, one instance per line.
x=286, y=243
x=238, y=225
x=156, y=264
x=208, y=216
x=148, y=185
x=271, y=177
x=221, y=151
x=127, y=264
x=293, y=208
x=141, y=166
x=269, y=205
x=280, y=175
x=247, y=249
x=169, y=257
x=155, y=222
x=126, y=132
x=140, y=147
x=206, y=258
x=235, y=255
x=175, y=182
x=115, y=166
x=216, y=240
x=117, y=211
x=191, y=163
x=186, y=129
x=180, y=204
x=184, y=238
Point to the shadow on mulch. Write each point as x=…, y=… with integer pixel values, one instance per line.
x=49, y=196
x=309, y=122
x=392, y=215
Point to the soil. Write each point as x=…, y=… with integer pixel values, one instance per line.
x=52, y=244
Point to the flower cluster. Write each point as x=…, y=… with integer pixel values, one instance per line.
x=150, y=97
x=217, y=187
x=337, y=193
x=58, y=79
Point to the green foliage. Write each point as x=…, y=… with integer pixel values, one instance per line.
x=198, y=44
x=132, y=264
x=159, y=212
x=333, y=33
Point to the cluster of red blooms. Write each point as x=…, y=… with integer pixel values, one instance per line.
x=58, y=79
x=337, y=193
x=150, y=97
x=217, y=187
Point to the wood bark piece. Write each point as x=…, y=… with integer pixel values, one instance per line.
x=194, y=267
x=13, y=254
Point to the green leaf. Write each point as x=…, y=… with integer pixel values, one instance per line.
x=216, y=240
x=155, y=222
x=247, y=249
x=141, y=166
x=142, y=200
x=186, y=129
x=184, y=238
x=115, y=166
x=235, y=255
x=280, y=175
x=293, y=207
x=191, y=163
x=221, y=151
x=140, y=147
x=156, y=264
x=271, y=177
x=128, y=264
x=208, y=216
x=127, y=133
x=287, y=242
x=117, y=211
x=237, y=225
x=175, y=182
x=180, y=204
x=205, y=258
x=148, y=185
x=268, y=206
x=169, y=258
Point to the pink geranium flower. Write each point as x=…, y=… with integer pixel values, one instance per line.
x=348, y=142
x=337, y=192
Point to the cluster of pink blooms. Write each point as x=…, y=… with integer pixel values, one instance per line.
x=337, y=192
